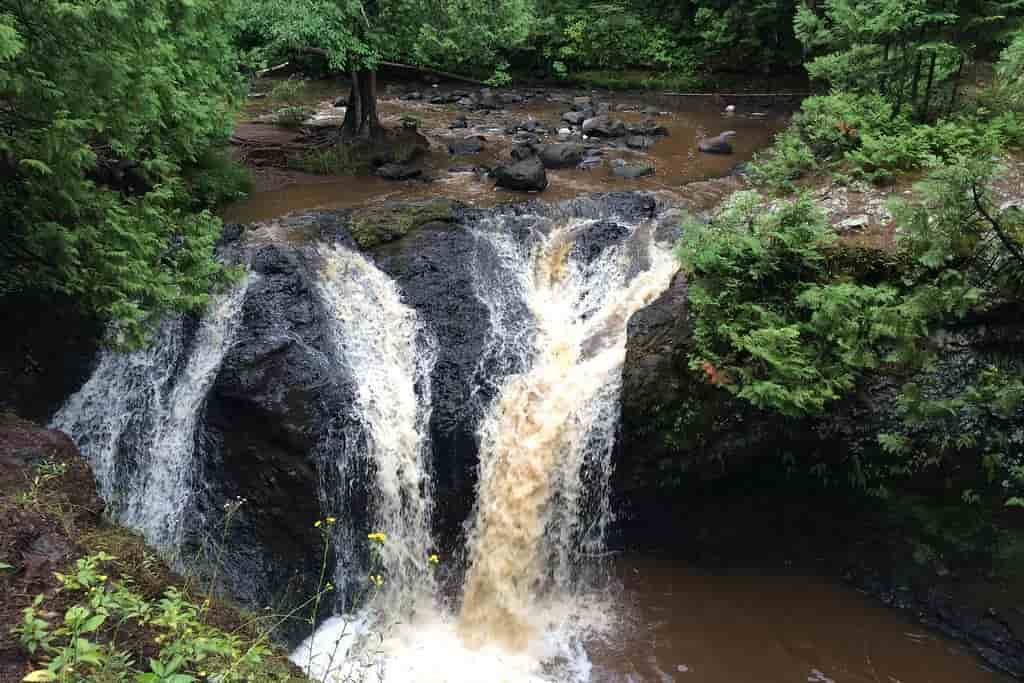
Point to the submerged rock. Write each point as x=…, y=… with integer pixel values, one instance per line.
x=465, y=147
x=574, y=118
x=717, y=145
x=639, y=142
x=631, y=171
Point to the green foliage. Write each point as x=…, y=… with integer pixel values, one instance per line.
x=912, y=52
x=861, y=136
x=611, y=34
x=635, y=80
x=789, y=159
x=786, y=320
x=1008, y=86
x=84, y=645
x=93, y=142
x=216, y=179
x=968, y=259
x=357, y=35
x=289, y=93
x=772, y=324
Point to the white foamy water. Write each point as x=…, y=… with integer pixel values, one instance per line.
x=430, y=648
x=135, y=419
x=389, y=356
x=546, y=443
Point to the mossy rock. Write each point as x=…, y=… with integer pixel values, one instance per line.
x=378, y=225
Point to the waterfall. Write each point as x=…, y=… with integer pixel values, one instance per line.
x=135, y=419
x=559, y=295
x=546, y=441
x=388, y=355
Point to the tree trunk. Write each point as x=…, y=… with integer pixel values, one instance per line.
x=956, y=84
x=923, y=115
x=361, y=119
x=914, y=81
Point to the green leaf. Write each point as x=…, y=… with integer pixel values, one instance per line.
x=40, y=676
x=93, y=623
x=37, y=166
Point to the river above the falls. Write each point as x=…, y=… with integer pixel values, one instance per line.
x=678, y=167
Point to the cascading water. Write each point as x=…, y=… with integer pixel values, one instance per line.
x=558, y=294
x=135, y=419
x=545, y=446
x=550, y=427
x=389, y=356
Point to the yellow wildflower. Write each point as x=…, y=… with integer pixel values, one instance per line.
x=377, y=537
x=433, y=559
x=331, y=520
x=317, y=524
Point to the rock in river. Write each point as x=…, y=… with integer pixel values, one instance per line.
x=561, y=155
x=527, y=175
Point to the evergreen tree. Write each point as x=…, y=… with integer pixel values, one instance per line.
x=102, y=104
x=911, y=51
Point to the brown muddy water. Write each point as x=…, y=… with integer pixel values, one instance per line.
x=677, y=163
x=680, y=624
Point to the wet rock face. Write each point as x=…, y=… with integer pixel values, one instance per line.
x=676, y=425
x=602, y=126
x=390, y=221
x=717, y=145
x=433, y=268
x=273, y=401
x=46, y=353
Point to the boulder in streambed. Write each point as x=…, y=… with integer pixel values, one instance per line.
x=603, y=127
x=465, y=147
x=639, y=142
x=561, y=155
x=525, y=175
x=574, y=118
x=398, y=172
x=717, y=145
x=522, y=151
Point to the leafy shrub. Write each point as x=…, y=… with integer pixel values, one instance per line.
x=772, y=324
x=85, y=645
x=858, y=135
x=217, y=179
x=290, y=93
x=789, y=159
x=635, y=80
